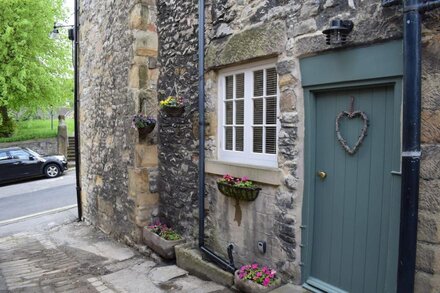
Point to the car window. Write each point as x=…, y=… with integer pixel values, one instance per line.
x=33, y=153
x=19, y=154
x=3, y=155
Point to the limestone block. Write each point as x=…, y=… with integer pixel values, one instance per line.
x=105, y=206
x=267, y=39
x=145, y=43
x=430, y=161
x=137, y=181
x=287, y=100
x=428, y=258
x=427, y=283
x=139, y=17
x=211, y=127
x=146, y=199
x=145, y=155
x=429, y=195
x=430, y=90
x=191, y=260
x=138, y=76
x=429, y=227
x=304, y=27
x=430, y=126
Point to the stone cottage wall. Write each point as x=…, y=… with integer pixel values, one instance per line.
x=118, y=51
x=178, y=137
x=244, y=31
x=428, y=249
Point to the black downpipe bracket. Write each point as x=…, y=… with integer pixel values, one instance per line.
x=76, y=111
x=226, y=265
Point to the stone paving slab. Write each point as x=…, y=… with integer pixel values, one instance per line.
x=78, y=258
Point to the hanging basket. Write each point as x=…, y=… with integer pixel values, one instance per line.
x=144, y=131
x=173, y=111
x=240, y=193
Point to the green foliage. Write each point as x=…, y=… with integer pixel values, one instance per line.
x=35, y=71
x=6, y=129
x=35, y=129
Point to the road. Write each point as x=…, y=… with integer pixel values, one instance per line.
x=35, y=196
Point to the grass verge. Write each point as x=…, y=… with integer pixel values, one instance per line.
x=37, y=129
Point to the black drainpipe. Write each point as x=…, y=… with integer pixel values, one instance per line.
x=76, y=111
x=410, y=142
x=227, y=265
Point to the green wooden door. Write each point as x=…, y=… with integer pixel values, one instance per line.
x=355, y=212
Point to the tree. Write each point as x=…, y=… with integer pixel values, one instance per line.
x=35, y=71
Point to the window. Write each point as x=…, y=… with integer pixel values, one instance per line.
x=4, y=155
x=248, y=122
x=21, y=155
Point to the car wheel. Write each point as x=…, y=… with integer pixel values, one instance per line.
x=52, y=171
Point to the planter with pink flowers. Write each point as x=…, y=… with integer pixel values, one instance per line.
x=238, y=188
x=256, y=279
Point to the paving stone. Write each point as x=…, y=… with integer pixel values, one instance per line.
x=164, y=274
x=67, y=264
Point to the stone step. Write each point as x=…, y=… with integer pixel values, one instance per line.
x=289, y=288
x=190, y=259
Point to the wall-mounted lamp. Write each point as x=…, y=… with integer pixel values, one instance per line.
x=56, y=33
x=338, y=31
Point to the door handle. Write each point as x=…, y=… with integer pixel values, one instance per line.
x=16, y=163
x=321, y=174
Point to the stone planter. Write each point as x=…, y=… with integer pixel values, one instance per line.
x=241, y=193
x=252, y=287
x=174, y=111
x=144, y=131
x=165, y=248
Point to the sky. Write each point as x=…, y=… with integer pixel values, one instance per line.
x=70, y=4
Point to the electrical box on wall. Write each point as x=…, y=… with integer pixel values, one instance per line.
x=262, y=246
x=387, y=3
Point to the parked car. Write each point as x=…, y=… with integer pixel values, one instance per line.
x=21, y=163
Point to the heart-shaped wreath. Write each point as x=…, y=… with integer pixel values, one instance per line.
x=352, y=115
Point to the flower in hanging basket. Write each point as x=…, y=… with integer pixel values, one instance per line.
x=256, y=278
x=173, y=106
x=239, y=188
x=144, y=124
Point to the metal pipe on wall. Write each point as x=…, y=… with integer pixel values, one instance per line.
x=76, y=111
x=410, y=148
x=229, y=266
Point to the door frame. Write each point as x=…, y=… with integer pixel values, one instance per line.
x=369, y=66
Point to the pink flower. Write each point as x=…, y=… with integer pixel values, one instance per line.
x=241, y=275
x=254, y=266
x=244, y=178
x=259, y=274
x=266, y=282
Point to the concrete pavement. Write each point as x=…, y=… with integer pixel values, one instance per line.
x=75, y=257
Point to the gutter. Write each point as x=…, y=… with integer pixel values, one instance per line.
x=226, y=265
x=76, y=112
x=411, y=150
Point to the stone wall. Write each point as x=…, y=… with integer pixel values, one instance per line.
x=245, y=31
x=47, y=146
x=118, y=77
x=178, y=143
x=117, y=71
x=428, y=249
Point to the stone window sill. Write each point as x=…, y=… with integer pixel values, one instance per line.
x=271, y=176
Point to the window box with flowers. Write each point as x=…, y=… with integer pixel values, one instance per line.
x=256, y=279
x=173, y=106
x=144, y=125
x=238, y=188
x=162, y=239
